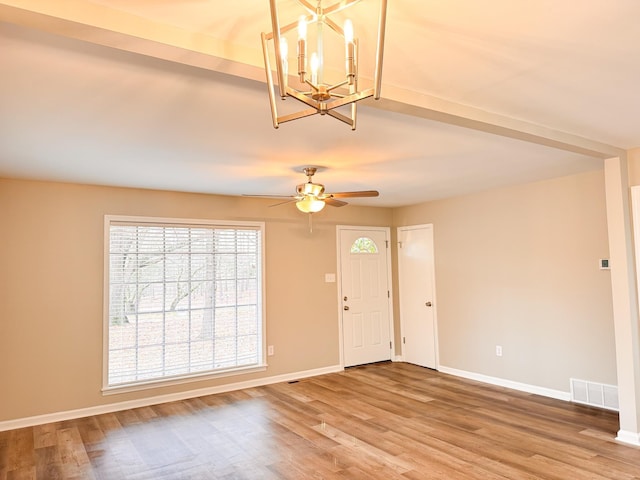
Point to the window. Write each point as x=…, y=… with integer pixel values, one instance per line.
x=364, y=245
x=184, y=299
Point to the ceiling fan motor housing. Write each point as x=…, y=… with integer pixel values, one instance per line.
x=310, y=188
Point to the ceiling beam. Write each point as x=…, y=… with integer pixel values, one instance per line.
x=101, y=25
x=97, y=24
x=433, y=108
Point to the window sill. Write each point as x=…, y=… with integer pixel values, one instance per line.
x=178, y=380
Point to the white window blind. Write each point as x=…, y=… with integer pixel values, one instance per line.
x=183, y=300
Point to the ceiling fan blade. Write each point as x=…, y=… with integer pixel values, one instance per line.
x=283, y=203
x=361, y=193
x=334, y=203
x=268, y=196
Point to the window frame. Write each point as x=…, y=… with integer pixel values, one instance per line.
x=110, y=220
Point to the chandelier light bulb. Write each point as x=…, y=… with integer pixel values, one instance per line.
x=348, y=31
x=302, y=28
x=284, y=54
x=315, y=64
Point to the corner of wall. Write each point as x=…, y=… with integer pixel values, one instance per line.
x=633, y=161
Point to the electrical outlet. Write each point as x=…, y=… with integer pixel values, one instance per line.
x=498, y=350
x=270, y=350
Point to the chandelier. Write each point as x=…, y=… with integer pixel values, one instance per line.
x=312, y=85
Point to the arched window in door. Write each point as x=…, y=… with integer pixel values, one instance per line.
x=364, y=245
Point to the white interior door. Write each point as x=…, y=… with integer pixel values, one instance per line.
x=417, y=295
x=365, y=296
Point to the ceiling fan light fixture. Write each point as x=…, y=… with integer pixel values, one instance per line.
x=313, y=89
x=310, y=204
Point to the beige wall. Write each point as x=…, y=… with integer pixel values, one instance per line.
x=518, y=267
x=51, y=284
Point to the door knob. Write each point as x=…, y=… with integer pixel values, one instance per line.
x=346, y=307
x=428, y=304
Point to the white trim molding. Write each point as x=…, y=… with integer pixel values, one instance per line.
x=501, y=382
x=628, y=438
x=155, y=400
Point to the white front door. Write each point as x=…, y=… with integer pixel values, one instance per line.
x=417, y=295
x=365, y=296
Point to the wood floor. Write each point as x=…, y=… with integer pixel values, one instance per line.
x=385, y=421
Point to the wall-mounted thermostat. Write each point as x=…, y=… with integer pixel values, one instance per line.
x=604, y=264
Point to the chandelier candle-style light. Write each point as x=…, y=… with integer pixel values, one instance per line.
x=313, y=88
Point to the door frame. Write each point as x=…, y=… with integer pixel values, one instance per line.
x=429, y=227
x=387, y=231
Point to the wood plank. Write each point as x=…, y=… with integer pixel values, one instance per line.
x=390, y=421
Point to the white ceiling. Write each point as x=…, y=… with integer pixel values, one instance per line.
x=170, y=94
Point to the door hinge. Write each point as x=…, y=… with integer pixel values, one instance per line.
x=400, y=244
x=388, y=294
x=386, y=242
x=390, y=346
x=404, y=340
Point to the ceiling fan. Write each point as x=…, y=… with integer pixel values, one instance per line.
x=311, y=197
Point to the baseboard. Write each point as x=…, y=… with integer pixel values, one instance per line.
x=398, y=358
x=628, y=438
x=155, y=400
x=501, y=382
